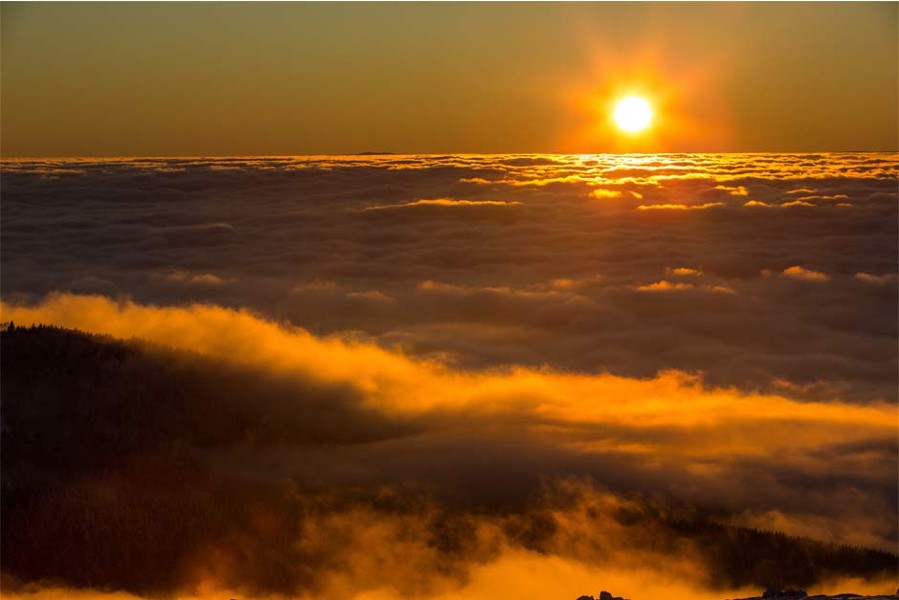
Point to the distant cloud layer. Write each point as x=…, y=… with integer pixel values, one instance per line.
x=760, y=271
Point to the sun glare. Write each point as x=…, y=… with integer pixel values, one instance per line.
x=633, y=114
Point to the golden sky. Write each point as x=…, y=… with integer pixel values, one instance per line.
x=118, y=79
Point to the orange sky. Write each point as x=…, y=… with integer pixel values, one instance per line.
x=313, y=78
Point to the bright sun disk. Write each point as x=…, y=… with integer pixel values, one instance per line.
x=633, y=114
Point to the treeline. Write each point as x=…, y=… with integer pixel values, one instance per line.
x=98, y=397
x=738, y=556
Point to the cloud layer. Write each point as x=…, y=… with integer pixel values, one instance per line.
x=500, y=260
x=693, y=330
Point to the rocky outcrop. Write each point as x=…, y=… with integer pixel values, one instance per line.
x=603, y=595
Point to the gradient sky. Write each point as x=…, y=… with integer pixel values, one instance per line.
x=113, y=79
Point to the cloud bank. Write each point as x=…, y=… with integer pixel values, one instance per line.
x=350, y=244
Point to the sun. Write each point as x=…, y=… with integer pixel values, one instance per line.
x=633, y=114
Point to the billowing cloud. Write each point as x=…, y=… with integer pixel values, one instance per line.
x=473, y=441
x=671, y=417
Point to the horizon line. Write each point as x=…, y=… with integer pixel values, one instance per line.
x=406, y=154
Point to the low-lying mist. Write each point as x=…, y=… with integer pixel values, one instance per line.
x=221, y=453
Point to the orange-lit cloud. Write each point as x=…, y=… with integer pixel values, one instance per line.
x=733, y=190
x=671, y=415
x=679, y=206
x=400, y=384
x=445, y=202
x=823, y=469
x=198, y=278
x=602, y=193
x=798, y=272
x=683, y=271
x=664, y=286
x=876, y=279
x=674, y=286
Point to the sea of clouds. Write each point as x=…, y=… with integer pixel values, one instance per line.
x=764, y=271
x=717, y=330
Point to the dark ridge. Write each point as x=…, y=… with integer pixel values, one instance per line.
x=129, y=396
x=732, y=556
x=738, y=556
